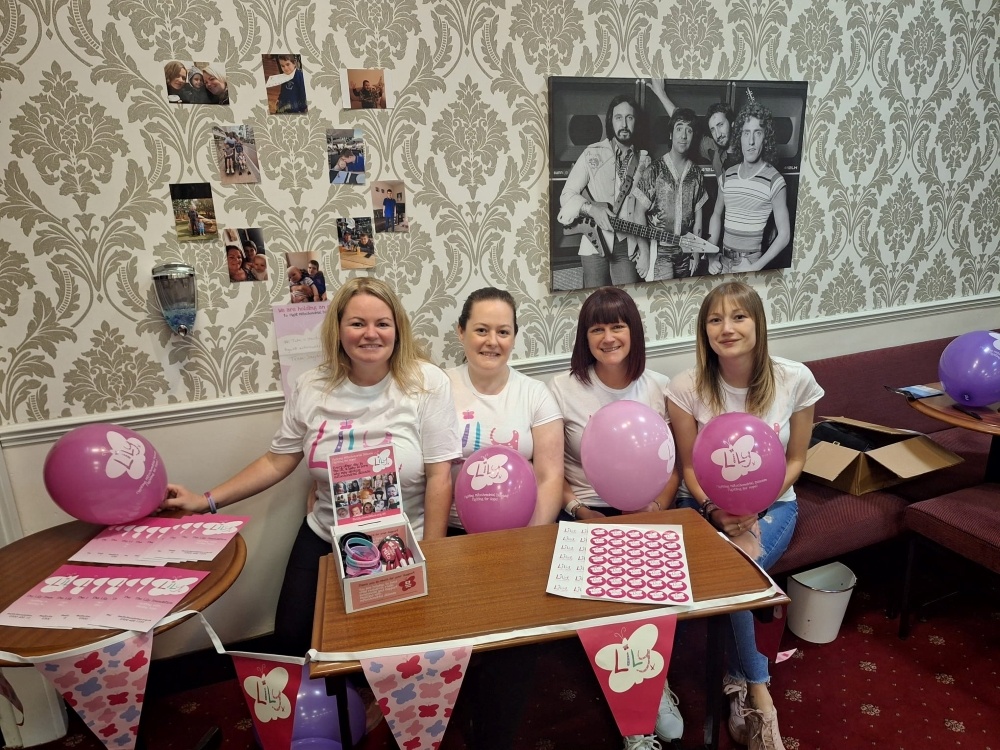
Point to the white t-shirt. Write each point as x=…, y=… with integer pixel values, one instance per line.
x=505, y=418
x=422, y=429
x=795, y=390
x=578, y=403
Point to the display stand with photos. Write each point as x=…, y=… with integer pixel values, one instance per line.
x=377, y=556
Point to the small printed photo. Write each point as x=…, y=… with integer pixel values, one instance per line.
x=306, y=279
x=285, y=84
x=345, y=151
x=389, y=206
x=364, y=88
x=194, y=211
x=236, y=154
x=196, y=82
x=246, y=256
x=357, y=243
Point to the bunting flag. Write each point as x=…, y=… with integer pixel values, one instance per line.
x=630, y=660
x=105, y=686
x=417, y=692
x=270, y=685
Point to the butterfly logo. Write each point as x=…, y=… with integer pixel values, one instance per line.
x=737, y=460
x=128, y=456
x=268, y=693
x=632, y=660
x=380, y=461
x=488, y=471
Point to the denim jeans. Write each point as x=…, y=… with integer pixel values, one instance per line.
x=776, y=529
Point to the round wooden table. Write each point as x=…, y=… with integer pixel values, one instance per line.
x=979, y=419
x=29, y=560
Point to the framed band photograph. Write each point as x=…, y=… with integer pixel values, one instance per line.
x=657, y=179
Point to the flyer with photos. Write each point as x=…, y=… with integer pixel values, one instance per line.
x=364, y=485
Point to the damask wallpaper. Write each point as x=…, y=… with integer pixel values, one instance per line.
x=899, y=199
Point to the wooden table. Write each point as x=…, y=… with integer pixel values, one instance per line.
x=483, y=584
x=29, y=560
x=944, y=409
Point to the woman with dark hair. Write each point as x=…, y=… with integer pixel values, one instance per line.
x=497, y=405
x=735, y=373
x=609, y=364
x=374, y=384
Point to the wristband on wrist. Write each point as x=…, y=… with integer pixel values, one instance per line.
x=573, y=507
x=212, y=508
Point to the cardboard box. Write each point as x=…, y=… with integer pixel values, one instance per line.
x=387, y=586
x=368, y=501
x=897, y=456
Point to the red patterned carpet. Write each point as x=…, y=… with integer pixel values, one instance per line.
x=867, y=689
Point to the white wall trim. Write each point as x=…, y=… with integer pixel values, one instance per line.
x=919, y=320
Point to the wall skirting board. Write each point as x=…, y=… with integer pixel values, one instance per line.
x=204, y=443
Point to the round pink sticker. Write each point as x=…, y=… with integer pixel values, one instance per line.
x=670, y=536
x=616, y=593
x=655, y=573
x=617, y=534
x=595, y=580
x=637, y=594
x=616, y=581
x=679, y=597
x=677, y=586
x=636, y=583
x=597, y=570
x=634, y=534
x=657, y=596
x=598, y=532
x=656, y=585
x=595, y=591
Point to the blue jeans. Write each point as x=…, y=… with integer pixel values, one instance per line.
x=776, y=529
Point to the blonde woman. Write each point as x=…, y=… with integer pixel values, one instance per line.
x=735, y=373
x=373, y=388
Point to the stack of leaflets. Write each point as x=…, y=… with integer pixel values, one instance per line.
x=158, y=541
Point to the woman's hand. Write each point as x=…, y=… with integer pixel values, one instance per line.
x=650, y=508
x=181, y=498
x=584, y=512
x=729, y=524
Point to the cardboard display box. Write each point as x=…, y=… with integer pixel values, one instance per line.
x=896, y=456
x=368, y=500
x=387, y=586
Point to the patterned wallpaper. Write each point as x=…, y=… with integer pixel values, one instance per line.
x=899, y=201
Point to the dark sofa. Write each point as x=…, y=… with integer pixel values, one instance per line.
x=831, y=522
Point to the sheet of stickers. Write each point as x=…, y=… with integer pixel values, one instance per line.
x=617, y=562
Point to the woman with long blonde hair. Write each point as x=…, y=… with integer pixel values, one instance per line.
x=373, y=388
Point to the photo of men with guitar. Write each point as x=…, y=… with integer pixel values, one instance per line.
x=602, y=187
x=633, y=191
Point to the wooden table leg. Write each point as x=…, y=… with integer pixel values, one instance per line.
x=715, y=647
x=993, y=461
x=337, y=686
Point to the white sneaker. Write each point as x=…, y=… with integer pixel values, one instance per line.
x=642, y=742
x=669, y=724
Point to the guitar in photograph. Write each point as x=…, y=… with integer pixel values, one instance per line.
x=688, y=243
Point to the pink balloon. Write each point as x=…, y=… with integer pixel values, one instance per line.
x=106, y=474
x=495, y=489
x=740, y=463
x=969, y=368
x=627, y=453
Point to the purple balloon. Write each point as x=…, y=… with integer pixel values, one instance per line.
x=316, y=713
x=105, y=474
x=495, y=489
x=315, y=743
x=739, y=462
x=627, y=453
x=969, y=368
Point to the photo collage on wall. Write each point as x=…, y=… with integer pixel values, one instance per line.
x=235, y=156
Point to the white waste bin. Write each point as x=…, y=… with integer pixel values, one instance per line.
x=819, y=601
x=44, y=718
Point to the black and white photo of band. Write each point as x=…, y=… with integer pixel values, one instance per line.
x=654, y=179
